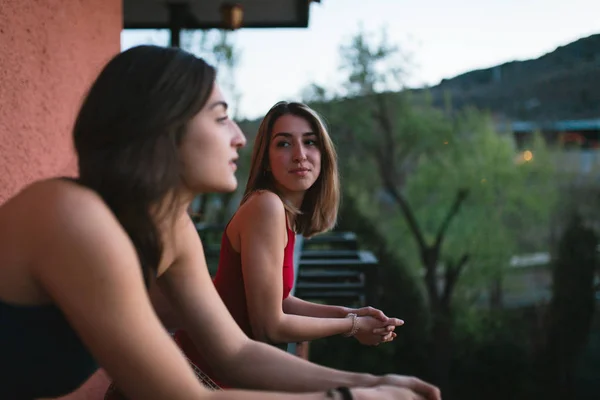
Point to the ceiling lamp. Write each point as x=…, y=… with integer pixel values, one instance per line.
x=232, y=16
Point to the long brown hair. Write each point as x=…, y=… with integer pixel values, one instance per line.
x=127, y=136
x=318, y=212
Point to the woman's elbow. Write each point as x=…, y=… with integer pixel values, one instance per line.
x=269, y=333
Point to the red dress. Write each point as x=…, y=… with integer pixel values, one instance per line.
x=229, y=283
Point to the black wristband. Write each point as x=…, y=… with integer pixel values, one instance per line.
x=344, y=391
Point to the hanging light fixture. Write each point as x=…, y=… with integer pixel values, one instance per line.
x=232, y=15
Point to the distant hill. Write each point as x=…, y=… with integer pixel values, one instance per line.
x=562, y=84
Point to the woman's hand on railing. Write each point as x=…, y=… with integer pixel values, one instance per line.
x=388, y=393
x=425, y=390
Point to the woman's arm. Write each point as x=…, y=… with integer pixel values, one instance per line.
x=87, y=265
x=296, y=306
x=262, y=226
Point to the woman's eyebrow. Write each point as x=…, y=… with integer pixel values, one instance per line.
x=218, y=103
x=288, y=135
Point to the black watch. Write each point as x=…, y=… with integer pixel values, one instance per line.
x=344, y=391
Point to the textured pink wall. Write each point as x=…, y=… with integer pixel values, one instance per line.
x=50, y=51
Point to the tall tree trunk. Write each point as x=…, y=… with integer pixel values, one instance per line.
x=440, y=300
x=442, y=348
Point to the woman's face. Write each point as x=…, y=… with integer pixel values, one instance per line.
x=294, y=154
x=209, y=148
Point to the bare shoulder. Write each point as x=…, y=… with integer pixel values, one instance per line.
x=60, y=198
x=59, y=210
x=263, y=205
x=51, y=206
x=261, y=218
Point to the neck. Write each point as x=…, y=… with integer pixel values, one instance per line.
x=293, y=198
x=169, y=212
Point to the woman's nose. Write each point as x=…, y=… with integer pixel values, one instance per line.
x=299, y=153
x=239, y=139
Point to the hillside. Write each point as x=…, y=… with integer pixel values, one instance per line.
x=562, y=84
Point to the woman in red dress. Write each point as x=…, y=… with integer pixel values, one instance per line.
x=293, y=188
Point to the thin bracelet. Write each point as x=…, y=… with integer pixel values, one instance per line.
x=354, y=328
x=344, y=391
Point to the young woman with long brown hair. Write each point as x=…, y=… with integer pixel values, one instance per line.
x=293, y=187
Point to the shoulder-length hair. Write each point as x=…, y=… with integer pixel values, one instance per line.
x=318, y=212
x=127, y=136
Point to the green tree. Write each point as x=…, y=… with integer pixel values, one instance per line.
x=445, y=179
x=219, y=48
x=366, y=60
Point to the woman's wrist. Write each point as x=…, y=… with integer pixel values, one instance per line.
x=344, y=311
x=360, y=379
x=354, y=327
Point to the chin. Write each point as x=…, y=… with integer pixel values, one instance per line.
x=229, y=186
x=223, y=186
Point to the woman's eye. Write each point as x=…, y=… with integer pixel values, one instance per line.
x=311, y=143
x=222, y=119
x=282, y=144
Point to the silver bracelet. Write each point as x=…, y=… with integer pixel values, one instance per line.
x=354, y=325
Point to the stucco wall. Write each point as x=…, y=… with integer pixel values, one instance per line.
x=50, y=51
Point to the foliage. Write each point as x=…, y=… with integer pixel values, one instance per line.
x=401, y=142
x=366, y=59
x=444, y=200
x=399, y=295
x=218, y=47
x=451, y=196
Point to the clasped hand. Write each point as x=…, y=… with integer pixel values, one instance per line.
x=374, y=327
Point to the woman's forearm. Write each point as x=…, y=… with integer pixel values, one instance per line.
x=251, y=395
x=261, y=366
x=298, y=328
x=296, y=306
